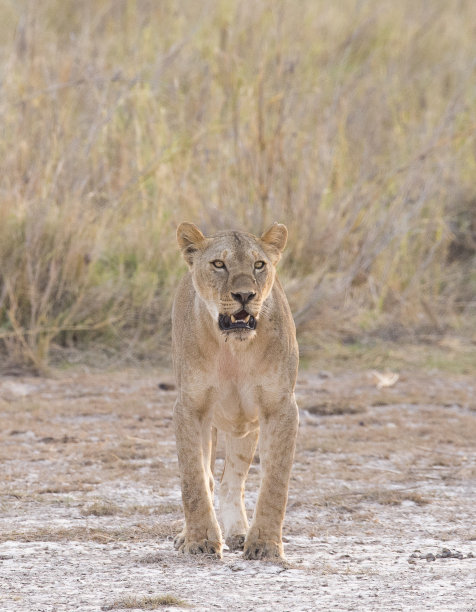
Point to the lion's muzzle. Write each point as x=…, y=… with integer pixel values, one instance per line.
x=239, y=320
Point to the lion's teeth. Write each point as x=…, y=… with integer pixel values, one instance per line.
x=247, y=318
x=233, y=319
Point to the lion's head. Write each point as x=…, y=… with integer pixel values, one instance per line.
x=233, y=273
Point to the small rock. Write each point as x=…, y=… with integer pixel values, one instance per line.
x=166, y=386
x=445, y=553
x=430, y=557
x=470, y=555
x=236, y=567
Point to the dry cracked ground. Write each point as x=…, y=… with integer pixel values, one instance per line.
x=381, y=512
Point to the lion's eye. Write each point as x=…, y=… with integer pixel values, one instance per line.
x=218, y=263
x=259, y=265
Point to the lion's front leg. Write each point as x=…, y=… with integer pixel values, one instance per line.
x=277, y=443
x=201, y=533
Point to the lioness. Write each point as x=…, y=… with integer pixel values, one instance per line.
x=235, y=359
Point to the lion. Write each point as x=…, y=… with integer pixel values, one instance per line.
x=235, y=358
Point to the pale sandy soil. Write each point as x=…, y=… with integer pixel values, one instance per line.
x=90, y=498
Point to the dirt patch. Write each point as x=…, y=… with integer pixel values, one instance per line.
x=383, y=484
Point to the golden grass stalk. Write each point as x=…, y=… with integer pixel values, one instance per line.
x=353, y=123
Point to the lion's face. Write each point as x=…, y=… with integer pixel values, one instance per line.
x=233, y=273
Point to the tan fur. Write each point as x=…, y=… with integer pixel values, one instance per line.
x=240, y=382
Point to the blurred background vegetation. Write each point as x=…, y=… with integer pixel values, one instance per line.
x=352, y=122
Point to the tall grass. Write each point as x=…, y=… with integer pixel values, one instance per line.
x=352, y=122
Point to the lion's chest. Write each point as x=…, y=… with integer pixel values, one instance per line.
x=235, y=406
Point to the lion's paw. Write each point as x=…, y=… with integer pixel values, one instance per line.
x=236, y=542
x=263, y=549
x=201, y=547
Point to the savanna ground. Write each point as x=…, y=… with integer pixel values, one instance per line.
x=383, y=477
x=351, y=122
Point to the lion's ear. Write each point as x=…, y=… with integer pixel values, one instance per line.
x=189, y=239
x=274, y=240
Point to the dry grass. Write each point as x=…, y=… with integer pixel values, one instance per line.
x=147, y=602
x=396, y=497
x=107, y=508
x=335, y=406
x=101, y=508
x=140, y=532
x=349, y=502
x=351, y=122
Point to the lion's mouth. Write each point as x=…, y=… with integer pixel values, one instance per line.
x=239, y=320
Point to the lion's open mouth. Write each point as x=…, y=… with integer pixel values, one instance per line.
x=239, y=320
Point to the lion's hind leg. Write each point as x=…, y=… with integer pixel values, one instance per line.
x=239, y=455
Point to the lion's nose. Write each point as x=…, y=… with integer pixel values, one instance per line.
x=243, y=296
